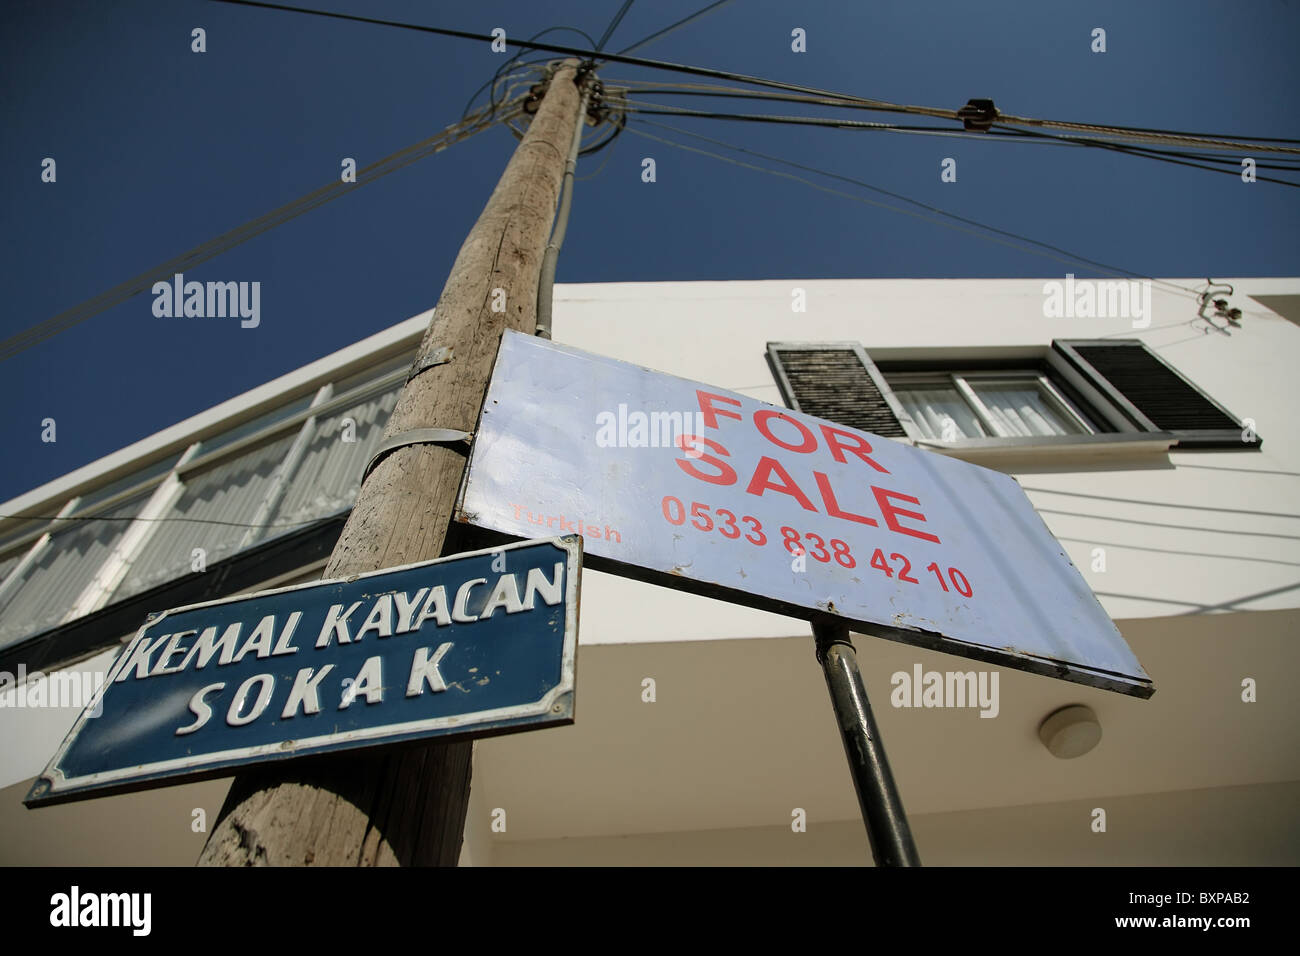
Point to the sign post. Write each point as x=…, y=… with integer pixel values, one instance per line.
x=882, y=808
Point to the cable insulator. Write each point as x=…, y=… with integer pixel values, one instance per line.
x=978, y=115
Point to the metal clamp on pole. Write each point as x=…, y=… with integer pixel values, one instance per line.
x=439, y=356
x=882, y=809
x=416, y=436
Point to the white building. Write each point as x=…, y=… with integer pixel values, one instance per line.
x=1164, y=454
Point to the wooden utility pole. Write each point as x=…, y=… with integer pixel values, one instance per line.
x=407, y=806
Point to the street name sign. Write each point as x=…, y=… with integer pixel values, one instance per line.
x=683, y=484
x=469, y=645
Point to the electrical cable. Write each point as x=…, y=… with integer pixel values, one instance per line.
x=599, y=169
x=228, y=524
x=551, y=255
x=612, y=57
x=1241, y=144
x=1144, y=153
x=516, y=59
x=609, y=30
x=671, y=27
x=653, y=109
x=38, y=333
x=1066, y=256
x=1152, y=154
x=864, y=102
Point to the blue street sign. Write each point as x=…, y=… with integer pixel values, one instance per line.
x=470, y=645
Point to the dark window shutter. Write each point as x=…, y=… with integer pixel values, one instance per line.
x=835, y=381
x=1151, y=393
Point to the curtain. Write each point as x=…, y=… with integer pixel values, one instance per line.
x=1021, y=409
x=931, y=407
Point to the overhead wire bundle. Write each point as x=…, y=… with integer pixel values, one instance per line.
x=461, y=130
x=622, y=99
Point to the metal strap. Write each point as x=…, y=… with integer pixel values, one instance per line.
x=439, y=356
x=416, y=436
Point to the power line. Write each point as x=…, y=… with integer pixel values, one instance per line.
x=509, y=63
x=1204, y=138
x=570, y=51
x=1065, y=255
x=1155, y=154
x=671, y=27
x=655, y=109
x=128, y=518
x=862, y=102
x=1072, y=256
x=52, y=326
x=609, y=30
x=834, y=123
x=1240, y=144
x=1004, y=135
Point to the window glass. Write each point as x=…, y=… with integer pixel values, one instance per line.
x=151, y=472
x=9, y=561
x=328, y=476
x=26, y=530
x=374, y=372
x=209, y=445
x=50, y=586
x=212, y=514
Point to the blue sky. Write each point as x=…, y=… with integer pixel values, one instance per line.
x=159, y=149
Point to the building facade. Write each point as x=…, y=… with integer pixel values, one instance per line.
x=1153, y=430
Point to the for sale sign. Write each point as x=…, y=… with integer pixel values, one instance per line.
x=690, y=486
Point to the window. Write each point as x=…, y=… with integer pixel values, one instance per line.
x=1011, y=404
x=208, y=519
x=1076, y=392
x=44, y=591
x=328, y=476
x=292, y=468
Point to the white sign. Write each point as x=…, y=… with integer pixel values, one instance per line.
x=690, y=486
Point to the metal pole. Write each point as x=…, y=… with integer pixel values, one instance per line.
x=882, y=810
x=546, y=284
